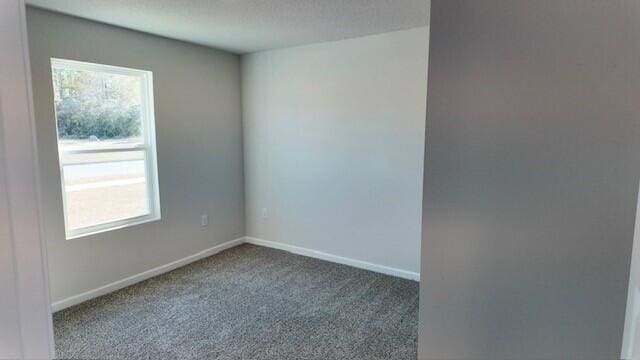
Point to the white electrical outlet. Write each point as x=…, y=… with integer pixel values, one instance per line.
x=265, y=214
x=204, y=220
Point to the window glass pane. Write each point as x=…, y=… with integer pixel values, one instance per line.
x=96, y=109
x=98, y=193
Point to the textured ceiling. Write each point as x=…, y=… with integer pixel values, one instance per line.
x=244, y=26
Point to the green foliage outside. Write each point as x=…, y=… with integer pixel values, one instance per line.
x=96, y=104
x=79, y=120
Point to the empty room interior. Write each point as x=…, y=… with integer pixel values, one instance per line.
x=287, y=139
x=304, y=179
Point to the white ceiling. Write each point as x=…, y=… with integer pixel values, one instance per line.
x=244, y=26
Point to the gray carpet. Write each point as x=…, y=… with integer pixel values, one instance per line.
x=248, y=302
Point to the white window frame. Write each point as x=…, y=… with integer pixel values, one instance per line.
x=148, y=148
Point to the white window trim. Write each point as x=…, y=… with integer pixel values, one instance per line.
x=149, y=150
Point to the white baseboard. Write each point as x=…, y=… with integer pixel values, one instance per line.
x=117, y=285
x=335, y=258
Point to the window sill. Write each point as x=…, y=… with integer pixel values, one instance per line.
x=116, y=225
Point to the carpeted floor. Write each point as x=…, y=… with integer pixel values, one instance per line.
x=248, y=302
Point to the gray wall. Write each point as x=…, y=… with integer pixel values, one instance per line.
x=334, y=137
x=199, y=140
x=532, y=166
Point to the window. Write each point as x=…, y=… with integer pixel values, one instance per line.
x=106, y=146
